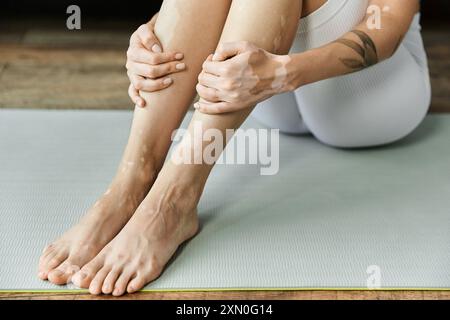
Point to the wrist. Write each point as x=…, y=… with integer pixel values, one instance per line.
x=281, y=74
x=295, y=72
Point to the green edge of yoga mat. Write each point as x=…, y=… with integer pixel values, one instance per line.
x=233, y=289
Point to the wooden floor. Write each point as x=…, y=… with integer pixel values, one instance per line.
x=42, y=65
x=246, y=295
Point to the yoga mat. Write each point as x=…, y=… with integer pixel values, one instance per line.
x=329, y=219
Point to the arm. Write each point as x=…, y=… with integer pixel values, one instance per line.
x=225, y=78
x=358, y=49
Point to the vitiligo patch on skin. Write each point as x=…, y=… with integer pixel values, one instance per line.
x=278, y=40
x=280, y=76
x=168, y=19
x=281, y=72
x=127, y=165
x=277, y=43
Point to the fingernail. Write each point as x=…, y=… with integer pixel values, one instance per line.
x=82, y=275
x=141, y=103
x=179, y=56
x=167, y=81
x=180, y=66
x=215, y=57
x=196, y=105
x=156, y=48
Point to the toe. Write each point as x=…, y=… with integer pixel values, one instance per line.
x=83, y=278
x=137, y=283
x=97, y=283
x=48, y=250
x=63, y=273
x=108, y=284
x=145, y=274
x=50, y=262
x=122, y=283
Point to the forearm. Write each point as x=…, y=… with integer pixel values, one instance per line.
x=356, y=50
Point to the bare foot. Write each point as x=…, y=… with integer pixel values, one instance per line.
x=65, y=256
x=137, y=255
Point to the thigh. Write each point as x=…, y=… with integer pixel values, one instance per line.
x=376, y=106
x=281, y=112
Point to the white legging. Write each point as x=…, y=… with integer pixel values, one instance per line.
x=376, y=106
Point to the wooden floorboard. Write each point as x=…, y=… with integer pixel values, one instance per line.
x=244, y=295
x=51, y=67
x=62, y=79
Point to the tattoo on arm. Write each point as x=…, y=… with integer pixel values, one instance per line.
x=367, y=51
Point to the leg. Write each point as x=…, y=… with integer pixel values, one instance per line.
x=149, y=137
x=281, y=112
x=373, y=107
x=167, y=216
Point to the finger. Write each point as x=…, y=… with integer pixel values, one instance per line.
x=135, y=40
x=154, y=72
x=209, y=80
x=151, y=85
x=215, y=68
x=208, y=94
x=227, y=50
x=214, y=108
x=136, y=80
x=148, y=38
x=134, y=95
x=142, y=55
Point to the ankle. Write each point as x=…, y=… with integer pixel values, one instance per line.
x=136, y=176
x=192, y=177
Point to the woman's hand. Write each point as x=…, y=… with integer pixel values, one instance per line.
x=238, y=76
x=147, y=65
